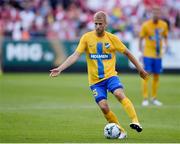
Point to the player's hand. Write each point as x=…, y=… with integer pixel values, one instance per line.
x=144, y=74
x=54, y=72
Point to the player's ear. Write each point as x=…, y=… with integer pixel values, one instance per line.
x=106, y=26
x=106, y=21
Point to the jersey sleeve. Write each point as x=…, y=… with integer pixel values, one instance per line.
x=119, y=45
x=165, y=32
x=143, y=31
x=82, y=45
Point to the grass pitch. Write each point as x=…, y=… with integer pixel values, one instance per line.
x=36, y=108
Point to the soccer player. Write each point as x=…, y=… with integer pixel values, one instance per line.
x=153, y=31
x=100, y=47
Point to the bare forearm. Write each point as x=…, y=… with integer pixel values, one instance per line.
x=133, y=60
x=140, y=69
x=69, y=61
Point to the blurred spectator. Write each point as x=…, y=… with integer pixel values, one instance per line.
x=177, y=20
x=25, y=34
x=69, y=19
x=177, y=25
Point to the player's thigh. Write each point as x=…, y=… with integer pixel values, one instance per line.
x=115, y=86
x=157, y=68
x=114, y=83
x=99, y=93
x=148, y=64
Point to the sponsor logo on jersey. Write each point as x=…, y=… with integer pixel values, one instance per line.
x=100, y=56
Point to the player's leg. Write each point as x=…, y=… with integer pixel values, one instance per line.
x=155, y=83
x=157, y=69
x=111, y=117
x=129, y=108
x=108, y=114
x=100, y=95
x=147, y=62
x=145, y=92
x=114, y=85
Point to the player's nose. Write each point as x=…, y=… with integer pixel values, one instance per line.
x=97, y=26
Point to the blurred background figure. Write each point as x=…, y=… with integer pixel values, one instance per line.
x=153, y=32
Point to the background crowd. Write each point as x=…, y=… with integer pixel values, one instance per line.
x=69, y=19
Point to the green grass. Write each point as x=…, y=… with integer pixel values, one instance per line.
x=36, y=108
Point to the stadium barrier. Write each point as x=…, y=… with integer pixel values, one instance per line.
x=43, y=54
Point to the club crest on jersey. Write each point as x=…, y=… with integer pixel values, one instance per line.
x=107, y=45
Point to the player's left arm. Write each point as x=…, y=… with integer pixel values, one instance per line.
x=166, y=46
x=165, y=35
x=138, y=66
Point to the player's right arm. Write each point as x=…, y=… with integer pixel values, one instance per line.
x=71, y=59
x=68, y=62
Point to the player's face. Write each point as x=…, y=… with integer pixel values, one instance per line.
x=100, y=26
x=156, y=13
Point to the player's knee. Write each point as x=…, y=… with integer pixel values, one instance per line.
x=105, y=110
x=119, y=94
x=104, y=107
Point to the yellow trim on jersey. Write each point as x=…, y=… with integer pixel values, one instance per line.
x=100, y=55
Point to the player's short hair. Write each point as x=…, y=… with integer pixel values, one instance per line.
x=101, y=15
x=156, y=8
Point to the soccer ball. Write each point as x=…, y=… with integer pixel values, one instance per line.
x=112, y=131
